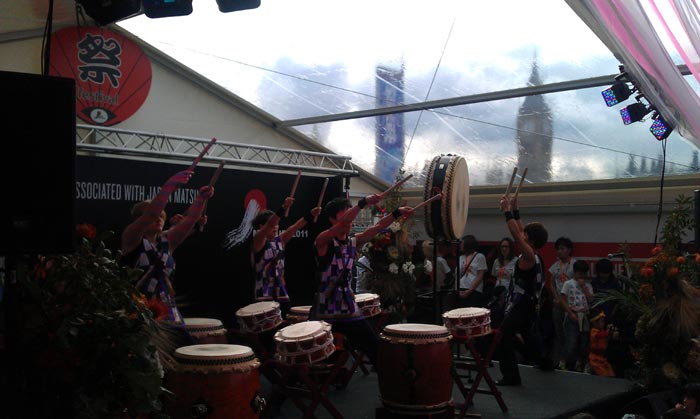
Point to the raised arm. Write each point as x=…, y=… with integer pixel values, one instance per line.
x=133, y=233
x=180, y=231
x=264, y=231
x=343, y=223
x=299, y=224
x=515, y=226
x=385, y=222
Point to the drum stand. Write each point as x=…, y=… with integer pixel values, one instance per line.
x=312, y=382
x=480, y=364
x=359, y=358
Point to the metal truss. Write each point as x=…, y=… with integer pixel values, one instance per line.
x=96, y=139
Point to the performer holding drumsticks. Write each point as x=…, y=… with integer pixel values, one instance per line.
x=336, y=249
x=145, y=245
x=522, y=298
x=268, y=249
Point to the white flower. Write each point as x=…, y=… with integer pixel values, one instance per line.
x=428, y=266
x=393, y=268
x=394, y=227
x=366, y=247
x=407, y=267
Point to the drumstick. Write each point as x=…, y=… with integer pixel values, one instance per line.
x=512, y=179
x=320, y=198
x=522, y=179
x=202, y=153
x=211, y=183
x=294, y=189
x=427, y=201
x=395, y=185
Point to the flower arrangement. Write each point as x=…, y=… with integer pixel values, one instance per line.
x=662, y=295
x=90, y=335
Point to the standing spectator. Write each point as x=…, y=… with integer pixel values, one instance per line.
x=560, y=271
x=472, y=269
x=577, y=294
x=504, y=264
x=604, y=282
x=598, y=344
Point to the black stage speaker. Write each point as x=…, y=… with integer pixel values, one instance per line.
x=38, y=166
x=655, y=404
x=167, y=8
x=105, y=12
x=226, y=6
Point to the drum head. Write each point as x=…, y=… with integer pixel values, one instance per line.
x=300, y=330
x=257, y=308
x=410, y=329
x=466, y=312
x=213, y=351
x=197, y=322
x=300, y=309
x=447, y=218
x=361, y=298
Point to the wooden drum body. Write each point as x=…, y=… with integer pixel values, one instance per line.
x=304, y=343
x=468, y=322
x=446, y=218
x=259, y=317
x=414, y=368
x=369, y=304
x=298, y=314
x=215, y=381
x=205, y=330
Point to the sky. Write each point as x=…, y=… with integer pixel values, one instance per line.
x=306, y=58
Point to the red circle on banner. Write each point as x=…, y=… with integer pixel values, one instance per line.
x=112, y=74
x=255, y=195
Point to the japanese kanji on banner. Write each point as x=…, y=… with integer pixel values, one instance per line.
x=112, y=74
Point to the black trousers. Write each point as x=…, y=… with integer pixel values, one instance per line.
x=360, y=335
x=520, y=318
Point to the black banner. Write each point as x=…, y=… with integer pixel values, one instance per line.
x=214, y=274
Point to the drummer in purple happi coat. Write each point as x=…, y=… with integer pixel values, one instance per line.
x=268, y=252
x=335, y=251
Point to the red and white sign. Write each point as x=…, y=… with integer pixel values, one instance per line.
x=112, y=74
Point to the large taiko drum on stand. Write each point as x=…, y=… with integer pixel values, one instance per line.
x=304, y=343
x=414, y=368
x=468, y=322
x=446, y=218
x=205, y=330
x=215, y=381
x=259, y=317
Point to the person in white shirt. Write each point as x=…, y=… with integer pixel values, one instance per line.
x=442, y=273
x=504, y=264
x=561, y=271
x=577, y=294
x=472, y=270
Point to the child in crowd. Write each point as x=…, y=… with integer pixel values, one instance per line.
x=560, y=271
x=598, y=344
x=577, y=294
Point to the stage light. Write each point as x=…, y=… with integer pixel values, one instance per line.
x=660, y=128
x=167, y=8
x=617, y=93
x=634, y=112
x=226, y=6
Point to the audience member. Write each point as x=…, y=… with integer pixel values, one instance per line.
x=560, y=271
x=472, y=269
x=691, y=400
x=598, y=344
x=604, y=282
x=577, y=294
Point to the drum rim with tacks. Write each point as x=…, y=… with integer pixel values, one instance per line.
x=215, y=358
x=446, y=218
x=272, y=316
x=284, y=340
x=204, y=325
x=415, y=333
x=468, y=321
x=369, y=303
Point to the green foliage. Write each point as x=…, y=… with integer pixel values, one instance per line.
x=92, y=335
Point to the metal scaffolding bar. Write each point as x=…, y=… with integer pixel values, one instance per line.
x=96, y=139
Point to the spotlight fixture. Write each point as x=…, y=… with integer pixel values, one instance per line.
x=226, y=6
x=660, y=128
x=634, y=112
x=167, y=8
x=618, y=92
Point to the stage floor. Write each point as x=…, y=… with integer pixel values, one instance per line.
x=543, y=395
